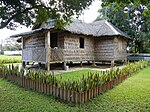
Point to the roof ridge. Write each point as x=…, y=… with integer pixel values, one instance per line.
x=97, y=28
x=112, y=28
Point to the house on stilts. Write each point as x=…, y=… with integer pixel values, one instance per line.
x=80, y=42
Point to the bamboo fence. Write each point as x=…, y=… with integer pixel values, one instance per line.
x=61, y=93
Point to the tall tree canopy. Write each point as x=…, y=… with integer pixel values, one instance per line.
x=144, y=2
x=27, y=12
x=131, y=19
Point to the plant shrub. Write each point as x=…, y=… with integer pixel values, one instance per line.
x=7, y=61
x=81, y=85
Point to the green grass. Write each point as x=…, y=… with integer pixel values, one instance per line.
x=9, y=57
x=133, y=95
x=75, y=75
x=16, y=64
x=4, y=59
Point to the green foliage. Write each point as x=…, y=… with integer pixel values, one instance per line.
x=29, y=12
x=4, y=59
x=131, y=68
x=131, y=19
x=130, y=96
x=11, y=70
x=75, y=75
x=81, y=85
x=126, y=2
x=13, y=47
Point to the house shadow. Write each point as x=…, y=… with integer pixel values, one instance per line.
x=73, y=66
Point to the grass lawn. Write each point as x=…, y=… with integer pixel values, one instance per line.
x=5, y=59
x=133, y=95
x=75, y=75
x=9, y=57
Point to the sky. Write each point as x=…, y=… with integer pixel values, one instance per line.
x=89, y=15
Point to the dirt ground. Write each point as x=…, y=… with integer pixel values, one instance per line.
x=58, y=69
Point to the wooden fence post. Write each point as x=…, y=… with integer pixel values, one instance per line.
x=85, y=96
x=72, y=96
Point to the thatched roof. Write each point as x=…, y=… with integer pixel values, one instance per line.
x=96, y=29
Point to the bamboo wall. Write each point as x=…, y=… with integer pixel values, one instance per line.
x=34, y=54
x=57, y=54
x=104, y=49
x=120, y=53
x=35, y=41
x=68, y=50
x=108, y=49
x=72, y=50
x=34, y=48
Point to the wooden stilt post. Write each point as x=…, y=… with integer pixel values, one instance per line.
x=112, y=63
x=64, y=65
x=48, y=49
x=71, y=63
x=81, y=63
x=27, y=63
x=88, y=62
x=48, y=66
x=125, y=61
x=23, y=64
x=39, y=64
x=103, y=62
x=93, y=63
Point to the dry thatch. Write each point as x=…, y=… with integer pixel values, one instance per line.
x=96, y=29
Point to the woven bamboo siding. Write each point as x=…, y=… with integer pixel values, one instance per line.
x=39, y=54
x=104, y=49
x=34, y=48
x=34, y=41
x=68, y=48
x=27, y=55
x=57, y=55
x=72, y=50
x=34, y=54
x=120, y=46
x=89, y=48
x=27, y=42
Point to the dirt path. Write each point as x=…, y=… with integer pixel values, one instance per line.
x=84, y=68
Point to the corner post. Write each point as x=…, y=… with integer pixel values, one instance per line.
x=40, y=64
x=64, y=65
x=81, y=63
x=48, y=50
x=125, y=61
x=93, y=64
x=23, y=64
x=112, y=63
x=22, y=46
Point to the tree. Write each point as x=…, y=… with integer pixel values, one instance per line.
x=14, y=47
x=28, y=12
x=130, y=19
x=135, y=3
x=127, y=2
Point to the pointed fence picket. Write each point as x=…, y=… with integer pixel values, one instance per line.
x=62, y=93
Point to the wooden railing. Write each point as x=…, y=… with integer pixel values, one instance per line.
x=39, y=55
x=57, y=55
x=34, y=54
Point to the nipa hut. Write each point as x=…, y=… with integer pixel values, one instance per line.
x=99, y=41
